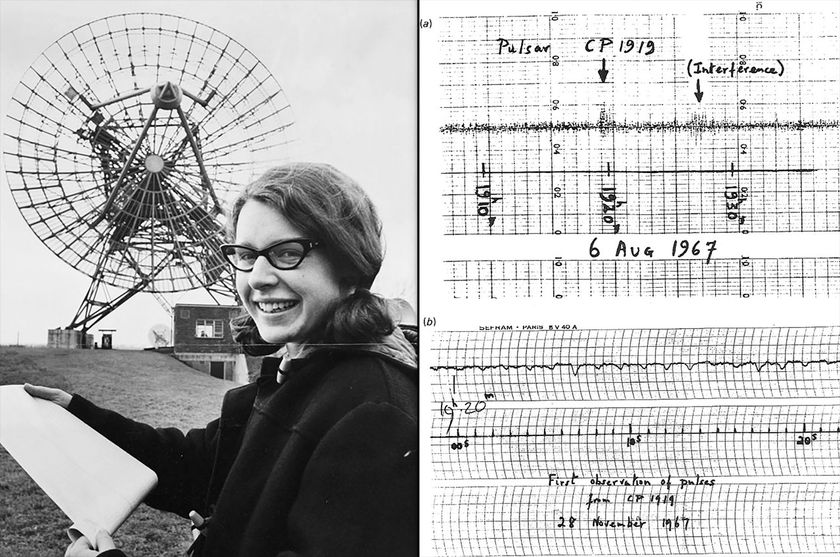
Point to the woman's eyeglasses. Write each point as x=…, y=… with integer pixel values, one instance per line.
x=284, y=255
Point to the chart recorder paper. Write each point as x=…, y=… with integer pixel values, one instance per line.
x=630, y=278
x=94, y=482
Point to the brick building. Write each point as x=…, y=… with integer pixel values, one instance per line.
x=203, y=341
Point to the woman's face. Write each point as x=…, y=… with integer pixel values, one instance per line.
x=287, y=306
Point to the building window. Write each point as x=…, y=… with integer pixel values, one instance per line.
x=209, y=328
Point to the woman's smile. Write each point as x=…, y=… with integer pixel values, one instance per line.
x=276, y=307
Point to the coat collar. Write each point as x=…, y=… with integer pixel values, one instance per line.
x=394, y=347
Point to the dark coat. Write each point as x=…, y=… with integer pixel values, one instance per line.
x=324, y=463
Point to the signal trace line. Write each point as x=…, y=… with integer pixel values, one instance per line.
x=637, y=364
x=698, y=125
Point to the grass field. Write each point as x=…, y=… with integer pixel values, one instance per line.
x=145, y=386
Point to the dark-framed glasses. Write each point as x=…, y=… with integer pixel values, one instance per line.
x=284, y=255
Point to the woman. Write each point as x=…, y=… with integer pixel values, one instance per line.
x=319, y=455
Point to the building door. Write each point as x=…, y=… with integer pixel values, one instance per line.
x=217, y=369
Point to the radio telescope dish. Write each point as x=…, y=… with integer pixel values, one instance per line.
x=159, y=335
x=125, y=140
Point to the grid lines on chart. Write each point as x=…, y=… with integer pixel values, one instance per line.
x=728, y=518
x=539, y=145
x=543, y=442
x=805, y=277
x=652, y=442
x=738, y=363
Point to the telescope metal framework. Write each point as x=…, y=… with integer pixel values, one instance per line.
x=125, y=140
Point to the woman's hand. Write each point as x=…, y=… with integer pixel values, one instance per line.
x=48, y=393
x=82, y=546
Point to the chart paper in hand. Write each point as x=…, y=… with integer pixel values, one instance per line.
x=94, y=482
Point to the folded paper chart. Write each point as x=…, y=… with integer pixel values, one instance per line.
x=94, y=482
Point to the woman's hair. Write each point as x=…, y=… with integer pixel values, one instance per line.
x=328, y=206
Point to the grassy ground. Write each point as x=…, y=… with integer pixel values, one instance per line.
x=145, y=386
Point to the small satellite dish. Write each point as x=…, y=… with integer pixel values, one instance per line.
x=159, y=335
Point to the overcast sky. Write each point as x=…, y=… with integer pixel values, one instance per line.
x=347, y=68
